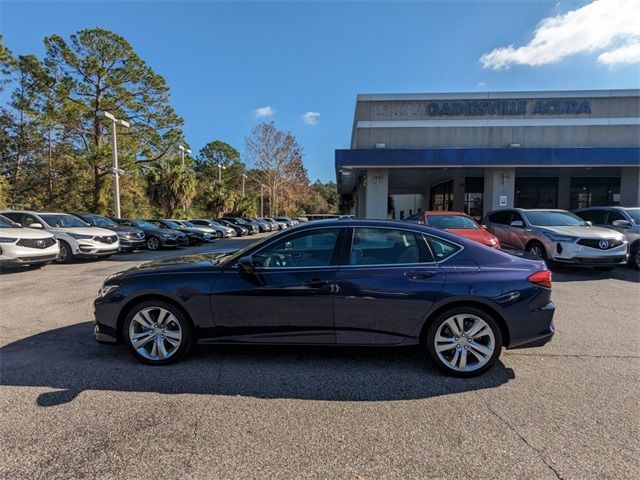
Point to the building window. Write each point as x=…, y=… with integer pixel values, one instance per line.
x=442, y=196
x=594, y=191
x=474, y=196
x=536, y=192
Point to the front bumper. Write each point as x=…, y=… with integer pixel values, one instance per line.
x=12, y=254
x=91, y=250
x=580, y=255
x=173, y=242
x=131, y=244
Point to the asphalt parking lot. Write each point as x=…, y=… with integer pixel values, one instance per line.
x=71, y=408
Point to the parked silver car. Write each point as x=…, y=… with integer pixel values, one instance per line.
x=623, y=219
x=558, y=236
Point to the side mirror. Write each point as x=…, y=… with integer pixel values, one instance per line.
x=245, y=264
x=483, y=226
x=589, y=223
x=621, y=223
x=517, y=223
x=36, y=225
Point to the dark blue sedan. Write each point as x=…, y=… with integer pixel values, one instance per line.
x=336, y=282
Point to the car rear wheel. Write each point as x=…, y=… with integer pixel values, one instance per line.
x=153, y=243
x=464, y=342
x=537, y=250
x=635, y=256
x=66, y=254
x=157, y=333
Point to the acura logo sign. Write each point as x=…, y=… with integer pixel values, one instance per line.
x=603, y=244
x=40, y=243
x=109, y=240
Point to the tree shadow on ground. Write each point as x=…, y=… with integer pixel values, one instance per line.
x=69, y=360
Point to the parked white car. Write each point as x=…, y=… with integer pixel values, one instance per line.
x=77, y=238
x=25, y=246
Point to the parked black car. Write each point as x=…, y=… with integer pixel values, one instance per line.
x=252, y=228
x=156, y=237
x=240, y=230
x=337, y=282
x=131, y=238
x=195, y=237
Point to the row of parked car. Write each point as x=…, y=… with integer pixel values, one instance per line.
x=37, y=238
x=599, y=237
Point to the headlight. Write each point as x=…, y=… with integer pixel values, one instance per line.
x=106, y=289
x=554, y=237
x=493, y=241
x=79, y=236
x=167, y=235
x=8, y=240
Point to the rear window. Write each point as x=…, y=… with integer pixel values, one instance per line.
x=458, y=222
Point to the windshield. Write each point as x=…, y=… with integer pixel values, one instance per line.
x=147, y=225
x=553, y=219
x=63, y=221
x=171, y=224
x=6, y=223
x=635, y=214
x=451, y=221
x=188, y=224
x=98, y=221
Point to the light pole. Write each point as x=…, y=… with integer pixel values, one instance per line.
x=220, y=168
x=262, y=200
x=182, y=150
x=244, y=177
x=114, y=154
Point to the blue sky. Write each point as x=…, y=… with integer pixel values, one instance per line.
x=225, y=60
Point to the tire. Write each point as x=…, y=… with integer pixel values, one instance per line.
x=66, y=254
x=634, y=259
x=537, y=249
x=149, y=323
x=153, y=243
x=480, y=353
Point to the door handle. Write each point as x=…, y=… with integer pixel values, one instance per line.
x=419, y=275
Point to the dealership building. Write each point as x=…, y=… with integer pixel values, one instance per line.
x=476, y=152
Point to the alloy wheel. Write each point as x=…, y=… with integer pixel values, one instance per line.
x=153, y=243
x=536, y=250
x=155, y=333
x=464, y=342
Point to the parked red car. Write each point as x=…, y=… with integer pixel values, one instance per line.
x=459, y=223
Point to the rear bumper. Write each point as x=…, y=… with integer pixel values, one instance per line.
x=533, y=329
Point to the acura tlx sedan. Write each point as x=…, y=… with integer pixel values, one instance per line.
x=336, y=282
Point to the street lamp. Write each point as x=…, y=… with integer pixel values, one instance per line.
x=262, y=200
x=220, y=168
x=114, y=154
x=182, y=150
x=244, y=177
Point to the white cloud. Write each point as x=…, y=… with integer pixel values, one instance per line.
x=608, y=27
x=263, y=112
x=310, y=118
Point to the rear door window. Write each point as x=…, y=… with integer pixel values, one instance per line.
x=386, y=246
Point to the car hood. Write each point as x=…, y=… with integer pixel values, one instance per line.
x=34, y=233
x=183, y=264
x=584, y=232
x=94, y=231
x=160, y=231
x=123, y=229
x=477, y=234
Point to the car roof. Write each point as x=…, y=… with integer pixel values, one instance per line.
x=440, y=212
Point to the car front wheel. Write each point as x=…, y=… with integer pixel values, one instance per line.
x=65, y=255
x=464, y=342
x=153, y=243
x=537, y=250
x=157, y=332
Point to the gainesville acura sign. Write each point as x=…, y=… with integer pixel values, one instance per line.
x=509, y=107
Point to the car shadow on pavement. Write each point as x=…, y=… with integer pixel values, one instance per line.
x=569, y=274
x=69, y=360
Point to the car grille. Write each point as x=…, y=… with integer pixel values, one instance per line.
x=43, y=258
x=36, y=242
x=596, y=243
x=109, y=239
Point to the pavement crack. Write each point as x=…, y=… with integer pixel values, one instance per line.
x=575, y=355
x=539, y=452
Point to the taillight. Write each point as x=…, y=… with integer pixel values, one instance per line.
x=541, y=278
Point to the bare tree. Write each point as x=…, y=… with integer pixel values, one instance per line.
x=277, y=159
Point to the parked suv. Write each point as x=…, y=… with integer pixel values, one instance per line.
x=130, y=237
x=558, y=236
x=221, y=230
x=156, y=237
x=77, y=238
x=624, y=220
x=25, y=246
